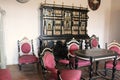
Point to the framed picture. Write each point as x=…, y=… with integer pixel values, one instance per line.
x=22, y=1
x=94, y=4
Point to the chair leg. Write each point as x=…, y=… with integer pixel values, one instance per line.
x=76, y=63
x=20, y=67
x=58, y=73
x=44, y=76
x=82, y=78
x=71, y=65
x=37, y=66
x=105, y=72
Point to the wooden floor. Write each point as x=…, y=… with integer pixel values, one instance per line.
x=29, y=72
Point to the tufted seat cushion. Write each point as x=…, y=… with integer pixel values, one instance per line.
x=94, y=42
x=110, y=65
x=27, y=59
x=64, y=61
x=68, y=74
x=26, y=48
x=49, y=61
x=82, y=63
x=115, y=48
x=73, y=48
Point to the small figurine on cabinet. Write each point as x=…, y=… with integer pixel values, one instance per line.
x=67, y=22
x=49, y=26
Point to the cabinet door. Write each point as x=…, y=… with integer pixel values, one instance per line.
x=67, y=22
x=82, y=27
x=48, y=21
x=75, y=22
x=57, y=27
x=58, y=17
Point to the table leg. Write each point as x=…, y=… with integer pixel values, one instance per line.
x=91, y=69
x=114, y=64
x=97, y=64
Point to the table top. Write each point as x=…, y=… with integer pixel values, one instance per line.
x=95, y=53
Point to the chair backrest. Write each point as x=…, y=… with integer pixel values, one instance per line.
x=94, y=42
x=48, y=60
x=25, y=46
x=72, y=46
x=114, y=46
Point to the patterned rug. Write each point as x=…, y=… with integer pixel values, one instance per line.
x=101, y=76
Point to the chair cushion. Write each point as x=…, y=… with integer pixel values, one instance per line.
x=94, y=42
x=73, y=47
x=52, y=70
x=64, y=61
x=82, y=63
x=52, y=77
x=26, y=48
x=109, y=65
x=27, y=59
x=48, y=60
x=5, y=74
x=115, y=48
x=70, y=74
x=49, y=64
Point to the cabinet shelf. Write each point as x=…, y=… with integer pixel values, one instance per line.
x=63, y=20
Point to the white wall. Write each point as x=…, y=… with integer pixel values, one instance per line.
x=23, y=20
x=114, y=32
x=20, y=20
x=99, y=22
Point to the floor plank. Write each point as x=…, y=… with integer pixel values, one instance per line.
x=28, y=72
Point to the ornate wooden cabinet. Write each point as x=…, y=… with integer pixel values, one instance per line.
x=61, y=22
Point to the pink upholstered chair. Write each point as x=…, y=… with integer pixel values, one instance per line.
x=94, y=44
x=74, y=62
x=49, y=66
x=114, y=46
x=26, y=52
